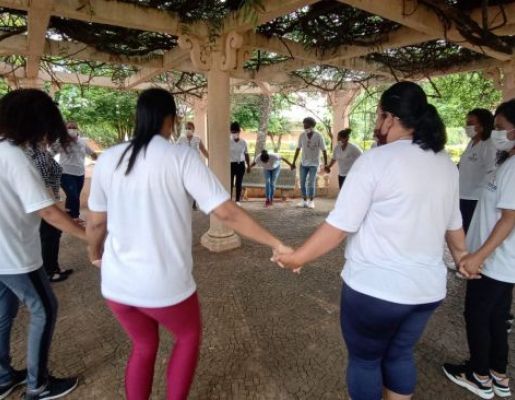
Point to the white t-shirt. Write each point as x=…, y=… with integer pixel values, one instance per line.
x=311, y=149
x=476, y=165
x=497, y=195
x=72, y=160
x=238, y=150
x=273, y=162
x=397, y=203
x=22, y=194
x=346, y=157
x=147, y=261
x=193, y=143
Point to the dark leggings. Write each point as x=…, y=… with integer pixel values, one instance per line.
x=50, y=239
x=487, y=303
x=237, y=172
x=380, y=338
x=467, y=208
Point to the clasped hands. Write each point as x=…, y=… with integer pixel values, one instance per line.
x=285, y=257
x=470, y=265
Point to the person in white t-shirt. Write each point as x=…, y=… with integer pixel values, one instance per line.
x=140, y=228
x=491, y=241
x=345, y=153
x=72, y=161
x=192, y=141
x=399, y=205
x=312, y=144
x=239, y=156
x=28, y=118
x=477, y=161
x=271, y=164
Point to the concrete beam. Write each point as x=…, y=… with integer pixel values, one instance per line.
x=37, y=24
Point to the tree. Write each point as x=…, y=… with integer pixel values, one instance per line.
x=105, y=115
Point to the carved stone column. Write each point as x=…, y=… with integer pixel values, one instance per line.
x=217, y=59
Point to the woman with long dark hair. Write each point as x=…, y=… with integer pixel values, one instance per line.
x=399, y=204
x=491, y=241
x=143, y=191
x=477, y=161
x=28, y=119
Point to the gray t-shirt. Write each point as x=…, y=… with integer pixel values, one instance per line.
x=311, y=148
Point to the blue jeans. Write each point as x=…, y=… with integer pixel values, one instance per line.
x=271, y=176
x=72, y=186
x=380, y=338
x=308, y=177
x=33, y=290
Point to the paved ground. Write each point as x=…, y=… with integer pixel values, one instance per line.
x=268, y=334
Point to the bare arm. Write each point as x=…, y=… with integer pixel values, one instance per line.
x=203, y=150
x=96, y=232
x=322, y=241
x=502, y=229
x=293, y=165
x=456, y=242
x=247, y=160
x=287, y=162
x=324, y=152
x=62, y=221
x=236, y=218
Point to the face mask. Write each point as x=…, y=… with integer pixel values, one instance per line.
x=470, y=130
x=500, y=140
x=189, y=132
x=308, y=130
x=74, y=133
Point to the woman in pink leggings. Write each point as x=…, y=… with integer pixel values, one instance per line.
x=139, y=232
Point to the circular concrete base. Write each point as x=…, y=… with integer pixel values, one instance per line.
x=219, y=244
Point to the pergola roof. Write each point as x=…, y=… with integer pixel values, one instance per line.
x=328, y=43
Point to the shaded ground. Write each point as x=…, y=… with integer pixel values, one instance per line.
x=268, y=334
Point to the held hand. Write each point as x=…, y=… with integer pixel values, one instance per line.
x=249, y=169
x=293, y=167
x=285, y=258
x=327, y=169
x=471, y=266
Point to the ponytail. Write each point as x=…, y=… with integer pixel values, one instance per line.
x=408, y=102
x=430, y=131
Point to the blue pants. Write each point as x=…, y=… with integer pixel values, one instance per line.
x=271, y=176
x=72, y=186
x=33, y=290
x=308, y=177
x=380, y=338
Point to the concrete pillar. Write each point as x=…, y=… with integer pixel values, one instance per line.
x=200, y=120
x=340, y=102
x=219, y=238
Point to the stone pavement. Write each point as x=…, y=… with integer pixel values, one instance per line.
x=268, y=334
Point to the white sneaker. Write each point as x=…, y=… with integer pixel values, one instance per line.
x=303, y=204
x=311, y=204
x=238, y=204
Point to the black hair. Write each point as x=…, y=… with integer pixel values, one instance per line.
x=235, y=127
x=154, y=105
x=344, y=133
x=408, y=102
x=28, y=117
x=309, y=121
x=486, y=120
x=190, y=123
x=265, y=157
x=507, y=110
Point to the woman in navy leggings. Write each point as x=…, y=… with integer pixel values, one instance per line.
x=399, y=204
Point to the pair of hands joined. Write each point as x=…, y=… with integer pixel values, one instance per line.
x=471, y=265
x=284, y=256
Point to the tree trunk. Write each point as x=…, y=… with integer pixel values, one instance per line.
x=265, y=109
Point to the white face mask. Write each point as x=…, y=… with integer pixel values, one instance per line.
x=189, y=132
x=74, y=133
x=308, y=130
x=470, y=130
x=500, y=140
